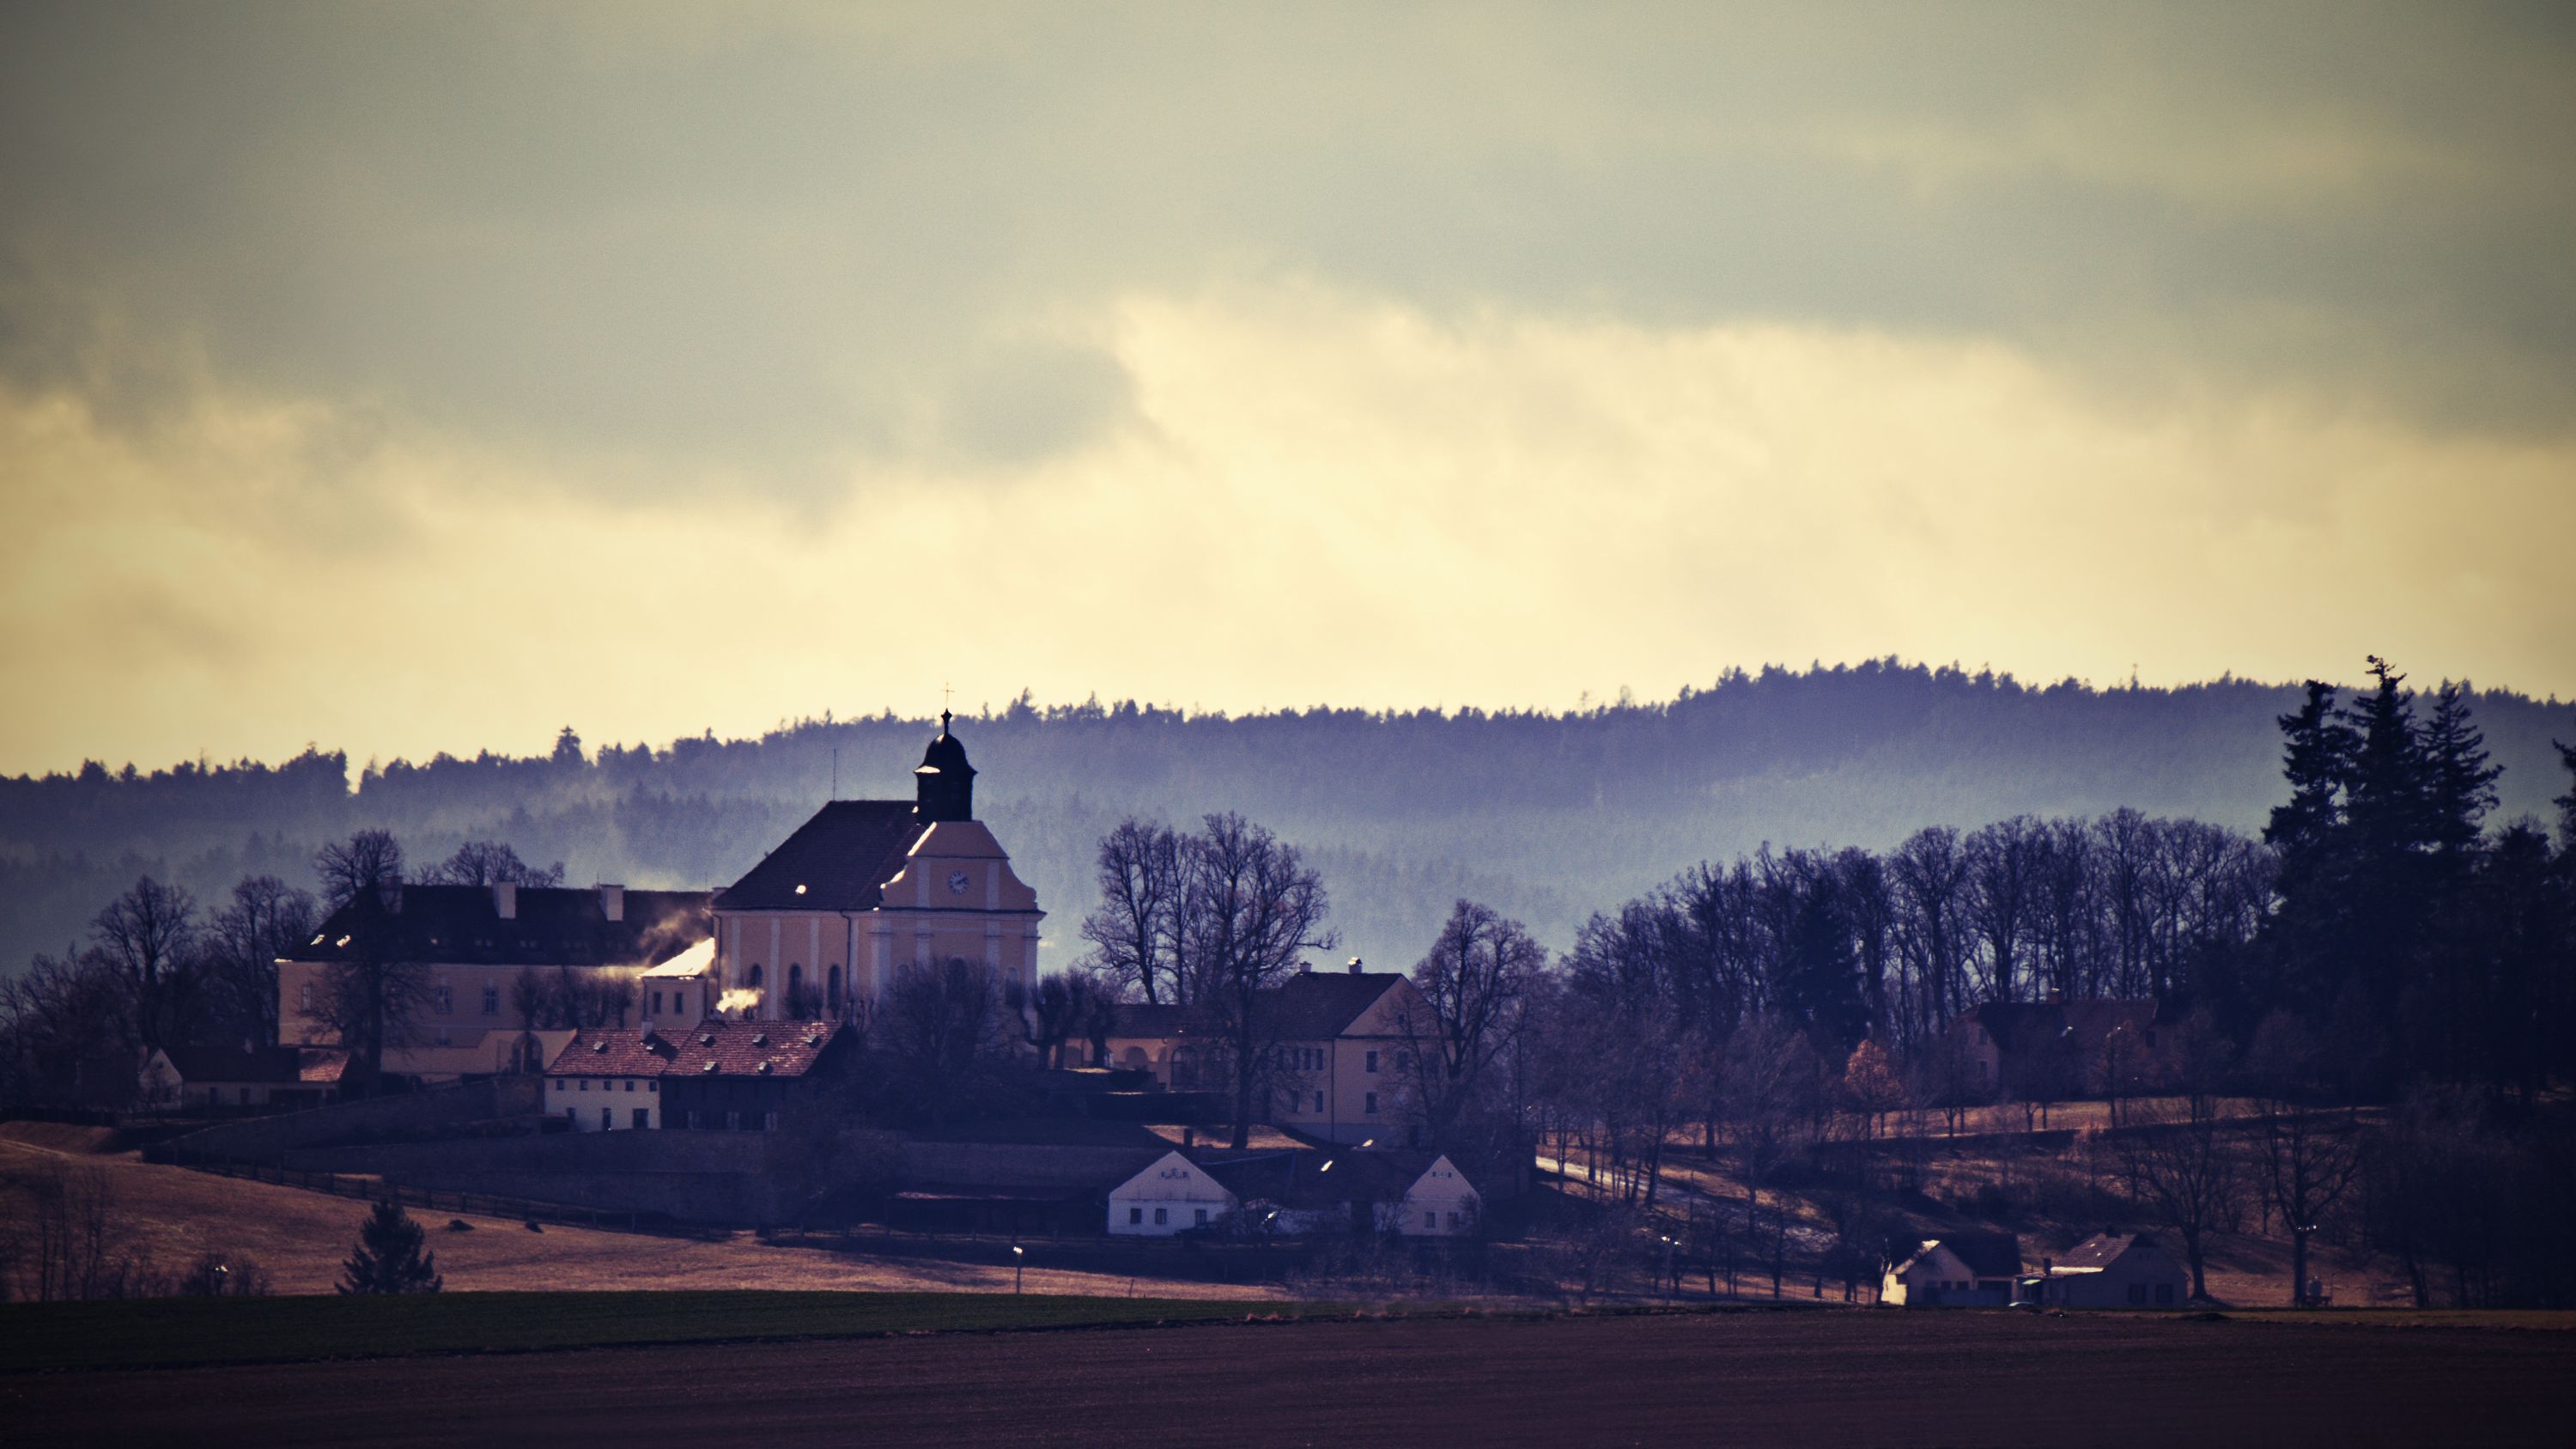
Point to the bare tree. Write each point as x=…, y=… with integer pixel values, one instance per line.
x=1255, y=911
x=488, y=862
x=1137, y=933
x=2310, y=1160
x=1770, y=1088
x=148, y=937
x=946, y=1037
x=2180, y=1165
x=1064, y=1008
x=1473, y=981
x=265, y=919
x=375, y=989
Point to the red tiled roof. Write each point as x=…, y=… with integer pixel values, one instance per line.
x=712, y=1048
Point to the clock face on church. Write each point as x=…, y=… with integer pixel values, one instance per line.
x=958, y=881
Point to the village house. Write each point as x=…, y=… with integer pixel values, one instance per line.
x=716, y=1075
x=868, y=887
x=241, y=1079
x=2057, y=1049
x=2111, y=1269
x=1959, y=1270
x=473, y=945
x=1441, y=1203
x=1172, y=1195
x=1344, y=1047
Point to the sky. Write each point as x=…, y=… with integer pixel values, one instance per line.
x=428, y=377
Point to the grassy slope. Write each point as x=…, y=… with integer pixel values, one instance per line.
x=172, y=1331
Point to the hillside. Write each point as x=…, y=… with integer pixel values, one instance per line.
x=1550, y=816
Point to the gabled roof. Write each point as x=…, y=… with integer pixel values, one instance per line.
x=712, y=1048
x=322, y=1068
x=1307, y=1179
x=1310, y=1006
x=554, y=926
x=842, y=858
x=2101, y=1250
x=1318, y=1004
x=1988, y=1255
x=278, y=1064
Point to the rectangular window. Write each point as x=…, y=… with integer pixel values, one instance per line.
x=2138, y=1294
x=1162, y=1216
x=1372, y=1104
x=643, y=1116
x=1135, y=1217
x=769, y=1123
x=1455, y=1222
x=585, y=1084
x=606, y=1119
x=1372, y=1061
x=561, y=1086
x=1431, y=1220
x=446, y=999
x=652, y=1086
x=630, y=1084
x=1319, y=1101
x=2164, y=1295
x=491, y=1001
x=1202, y=1217
x=304, y=998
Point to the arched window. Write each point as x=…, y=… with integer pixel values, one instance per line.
x=753, y=980
x=832, y=991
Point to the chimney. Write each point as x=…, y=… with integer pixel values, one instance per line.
x=505, y=901
x=1355, y=965
x=612, y=902
x=1305, y=968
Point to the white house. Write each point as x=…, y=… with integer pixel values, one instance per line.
x=254, y=1076
x=1441, y=1203
x=1171, y=1196
x=681, y=992
x=1964, y=1270
x=2111, y=1270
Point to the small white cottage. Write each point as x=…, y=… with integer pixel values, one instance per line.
x=1170, y=1196
x=1441, y=1203
x=1963, y=1270
x=2111, y=1270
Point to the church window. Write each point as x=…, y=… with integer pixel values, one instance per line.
x=491, y=1001
x=752, y=979
x=832, y=991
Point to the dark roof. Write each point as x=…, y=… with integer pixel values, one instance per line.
x=1299, y=1179
x=1309, y=1006
x=712, y=1048
x=1988, y=1255
x=842, y=857
x=2102, y=1250
x=232, y=1064
x=2019, y=1026
x=554, y=926
x=1302, y=1179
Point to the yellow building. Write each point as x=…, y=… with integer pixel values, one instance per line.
x=820, y=927
x=1338, y=1071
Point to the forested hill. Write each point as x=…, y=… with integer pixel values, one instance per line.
x=1547, y=816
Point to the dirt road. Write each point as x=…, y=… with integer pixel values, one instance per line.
x=1820, y=1377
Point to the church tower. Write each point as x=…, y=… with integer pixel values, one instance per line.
x=944, y=786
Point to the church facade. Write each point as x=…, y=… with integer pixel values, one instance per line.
x=822, y=926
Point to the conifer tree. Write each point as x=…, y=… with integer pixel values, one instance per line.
x=389, y=1256
x=2459, y=780
x=2316, y=762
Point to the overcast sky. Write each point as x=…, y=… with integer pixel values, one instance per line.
x=408, y=378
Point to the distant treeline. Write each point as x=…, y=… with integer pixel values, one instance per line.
x=1547, y=816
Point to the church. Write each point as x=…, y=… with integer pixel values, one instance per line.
x=820, y=927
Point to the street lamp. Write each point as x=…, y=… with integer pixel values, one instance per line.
x=1019, y=1267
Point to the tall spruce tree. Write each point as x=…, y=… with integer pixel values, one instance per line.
x=2459, y=780
x=389, y=1256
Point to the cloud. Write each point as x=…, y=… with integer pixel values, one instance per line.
x=1323, y=495
x=805, y=238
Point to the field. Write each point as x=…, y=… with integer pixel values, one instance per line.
x=1743, y=1376
x=299, y=1238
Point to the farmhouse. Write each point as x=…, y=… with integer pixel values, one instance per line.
x=2110, y=1270
x=868, y=887
x=1441, y=1203
x=1172, y=1195
x=718, y=1075
x=1344, y=1045
x=1962, y=1270
x=219, y=1077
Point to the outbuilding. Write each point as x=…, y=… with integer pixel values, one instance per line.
x=1962, y=1270
x=1172, y=1195
x=2110, y=1270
